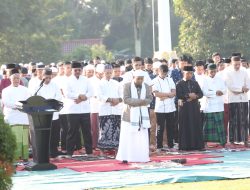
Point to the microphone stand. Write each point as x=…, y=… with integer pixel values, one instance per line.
x=41, y=85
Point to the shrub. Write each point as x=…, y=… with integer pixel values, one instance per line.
x=7, y=153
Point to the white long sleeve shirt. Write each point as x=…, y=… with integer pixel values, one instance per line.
x=10, y=96
x=164, y=85
x=200, y=79
x=74, y=88
x=50, y=91
x=61, y=82
x=94, y=102
x=235, y=80
x=128, y=77
x=109, y=89
x=213, y=103
x=33, y=83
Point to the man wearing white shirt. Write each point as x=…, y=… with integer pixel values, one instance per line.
x=213, y=90
x=199, y=77
x=35, y=80
x=222, y=74
x=94, y=103
x=50, y=90
x=238, y=84
x=128, y=76
x=109, y=93
x=61, y=80
x=78, y=93
x=17, y=120
x=164, y=91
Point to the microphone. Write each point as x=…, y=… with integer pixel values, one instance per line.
x=41, y=84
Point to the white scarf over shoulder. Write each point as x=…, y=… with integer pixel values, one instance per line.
x=139, y=115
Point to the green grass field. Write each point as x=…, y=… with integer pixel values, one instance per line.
x=239, y=184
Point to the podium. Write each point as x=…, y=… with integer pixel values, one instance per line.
x=40, y=112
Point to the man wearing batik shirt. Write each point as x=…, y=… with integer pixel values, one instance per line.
x=238, y=84
x=213, y=90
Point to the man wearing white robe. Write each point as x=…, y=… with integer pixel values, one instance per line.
x=134, y=141
x=17, y=120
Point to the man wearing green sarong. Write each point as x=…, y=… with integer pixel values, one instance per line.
x=213, y=89
x=17, y=120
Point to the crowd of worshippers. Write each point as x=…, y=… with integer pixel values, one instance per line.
x=135, y=106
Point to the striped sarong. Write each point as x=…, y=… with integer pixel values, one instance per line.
x=238, y=122
x=213, y=128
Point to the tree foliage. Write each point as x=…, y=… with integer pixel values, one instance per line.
x=210, y=26
x=89, y=52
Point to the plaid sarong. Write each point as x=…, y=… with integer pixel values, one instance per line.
x=213, y=128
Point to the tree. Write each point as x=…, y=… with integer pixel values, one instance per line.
x=210, y=26
x=89, y=52
x=139, y=11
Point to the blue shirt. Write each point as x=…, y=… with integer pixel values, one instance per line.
x=177, y=75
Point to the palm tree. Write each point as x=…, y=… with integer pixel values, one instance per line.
x=139, y=7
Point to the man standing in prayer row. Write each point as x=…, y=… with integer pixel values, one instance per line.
x=17, y=120
x=109, y=93
x=213, y=89
x=134, y=141
x=5, y=82
x=190, y=127
x=164, y=91
x=50, y=90
x=77, y=94
x=238, y=84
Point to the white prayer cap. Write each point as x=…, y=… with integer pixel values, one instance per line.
x=156, y=65
x=100, y=68
x=3, y=67
x=52, y=64
x=54, y=69
x=89, y=67
x=122, y=68
x=138, y=73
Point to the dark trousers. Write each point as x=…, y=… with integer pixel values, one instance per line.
x=64, y=130
x=165, y=120
x=77, y=121
x=176, y=127
x=54, y=137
